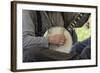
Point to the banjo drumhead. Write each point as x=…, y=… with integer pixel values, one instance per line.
x=66, y=48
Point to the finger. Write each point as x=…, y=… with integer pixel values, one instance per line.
x=61, y=43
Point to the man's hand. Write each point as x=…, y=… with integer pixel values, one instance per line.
x=57, y=39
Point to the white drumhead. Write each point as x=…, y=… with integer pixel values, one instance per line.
x=66, y=48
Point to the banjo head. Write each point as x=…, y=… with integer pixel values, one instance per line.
x=66, y=48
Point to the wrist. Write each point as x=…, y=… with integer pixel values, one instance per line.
x=49, y=39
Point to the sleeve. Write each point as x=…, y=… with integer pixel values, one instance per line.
x=29, y=38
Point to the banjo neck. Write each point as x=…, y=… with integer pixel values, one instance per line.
x=78, y=20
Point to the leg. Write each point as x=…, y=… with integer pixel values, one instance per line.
x=30, y=54
x=80, y=48
x=86, y=53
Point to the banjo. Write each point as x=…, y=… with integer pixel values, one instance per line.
x=78, y=21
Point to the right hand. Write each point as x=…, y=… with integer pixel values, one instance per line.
x=57, y=39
